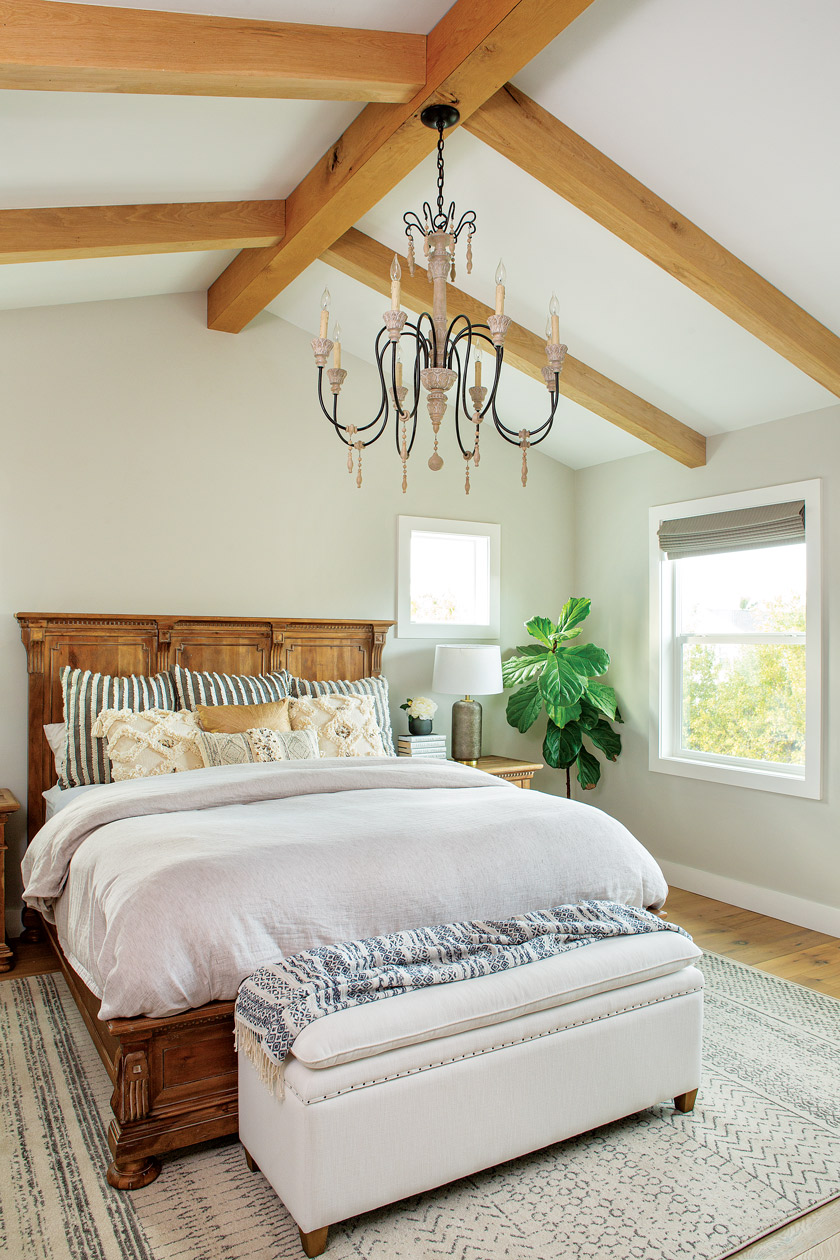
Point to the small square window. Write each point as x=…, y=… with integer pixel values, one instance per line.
x=448, y=579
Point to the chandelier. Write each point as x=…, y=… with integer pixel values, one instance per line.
x=443, y=350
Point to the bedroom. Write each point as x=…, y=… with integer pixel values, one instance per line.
x=155, y=465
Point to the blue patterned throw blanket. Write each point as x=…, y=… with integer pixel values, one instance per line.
x=278, y=1001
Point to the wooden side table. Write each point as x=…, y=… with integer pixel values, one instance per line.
x=518, y=772
x=8, y=805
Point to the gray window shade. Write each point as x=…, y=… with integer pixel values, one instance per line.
x=772, y=525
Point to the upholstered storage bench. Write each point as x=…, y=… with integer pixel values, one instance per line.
x=397, y=1096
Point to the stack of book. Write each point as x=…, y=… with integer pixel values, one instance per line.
x=422, y=746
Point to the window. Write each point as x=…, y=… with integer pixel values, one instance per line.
x=448, y=579
x=735, y=677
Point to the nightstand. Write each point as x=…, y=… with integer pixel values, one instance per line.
x=8, y=805
x=518, y=772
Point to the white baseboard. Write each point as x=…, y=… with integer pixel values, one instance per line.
x=778, y=905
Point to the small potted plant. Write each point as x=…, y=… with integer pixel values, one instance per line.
x=420, y=712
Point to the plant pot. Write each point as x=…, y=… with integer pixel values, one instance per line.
x=419, y=726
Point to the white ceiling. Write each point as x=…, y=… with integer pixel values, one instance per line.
x=729, y=111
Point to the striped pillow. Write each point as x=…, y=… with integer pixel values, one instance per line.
x=204, y=688
x=376, y=687
x=85, y=696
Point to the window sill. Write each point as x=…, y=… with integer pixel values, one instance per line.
x=785, y=783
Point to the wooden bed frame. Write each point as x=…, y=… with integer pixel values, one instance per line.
x=175, y=1080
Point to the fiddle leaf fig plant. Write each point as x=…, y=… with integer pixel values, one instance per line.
x=557, y=676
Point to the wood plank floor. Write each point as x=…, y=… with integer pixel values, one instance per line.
x=809, y=958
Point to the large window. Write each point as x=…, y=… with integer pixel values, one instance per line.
x=736, y=670
x=448, y=579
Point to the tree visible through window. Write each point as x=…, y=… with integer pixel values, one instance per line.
x=741, y=654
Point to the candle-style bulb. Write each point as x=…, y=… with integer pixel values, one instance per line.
x=501, y=273
x=325, y=300
x=554, y=305
x=396, y=269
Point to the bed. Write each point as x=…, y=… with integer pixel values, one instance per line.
x=357, y=822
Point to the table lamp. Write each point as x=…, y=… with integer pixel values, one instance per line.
x=468, y=669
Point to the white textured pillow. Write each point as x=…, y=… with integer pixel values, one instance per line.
x=56, y=733
x=155, y=741
x=345, y=725
x=232, y=748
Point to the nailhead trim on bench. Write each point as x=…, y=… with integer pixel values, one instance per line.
x=502, y=1045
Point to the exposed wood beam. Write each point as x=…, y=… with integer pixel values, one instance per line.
x=45, y=235
x=473, y=49
x=364, y=259
x=91, y=48
x=540, y=144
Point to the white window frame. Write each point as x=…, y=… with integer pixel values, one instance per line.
x=666, y=757
x=406, y=629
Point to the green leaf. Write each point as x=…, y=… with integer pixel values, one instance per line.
x=618, y=717
x=586, y=658
x=589, y=716
x=570, y=743
x=589, y=769
x=573, y=612
x=518, y=669
x=604, y=737
x=560, y=685
x=602, y=697
x=566, y=714
x=531, y=649
x=542, y=628
x=525, y=706
x=553, y=747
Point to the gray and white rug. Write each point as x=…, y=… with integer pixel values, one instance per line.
x=761, y=1148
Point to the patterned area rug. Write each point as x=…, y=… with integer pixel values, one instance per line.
x=761, y=1148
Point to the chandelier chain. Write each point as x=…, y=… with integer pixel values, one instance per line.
x=440, y=171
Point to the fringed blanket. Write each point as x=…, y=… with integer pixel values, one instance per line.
x=277, y=1002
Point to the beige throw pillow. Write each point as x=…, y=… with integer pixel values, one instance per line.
x=153, y=742
x=235, y=718
x=235, y=748
x=345, y=725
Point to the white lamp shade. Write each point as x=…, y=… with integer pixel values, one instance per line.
x=468, y=669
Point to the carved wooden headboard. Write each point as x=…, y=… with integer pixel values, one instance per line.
x=147, y=644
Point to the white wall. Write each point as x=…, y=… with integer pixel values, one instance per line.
x=743, y=841
x=152, y=466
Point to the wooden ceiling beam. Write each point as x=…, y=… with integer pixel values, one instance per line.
x=369, y=262
x=44, y=235
x=93, y=48
x=523, y=132
x=475, y=47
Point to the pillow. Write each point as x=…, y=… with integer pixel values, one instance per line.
x=239, y=748
x=153, y=742
x=234, y=718
x=56, y=733
x=86, y=695
x=345, y=725
x=193, y=688
x=377, y=687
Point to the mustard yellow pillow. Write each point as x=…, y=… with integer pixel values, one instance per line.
x=232, y=719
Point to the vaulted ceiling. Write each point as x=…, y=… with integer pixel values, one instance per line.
x=667, y=167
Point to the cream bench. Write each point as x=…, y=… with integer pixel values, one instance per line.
x=395, y=1097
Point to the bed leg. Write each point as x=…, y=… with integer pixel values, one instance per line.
x=33, y=932
x=253, y=1166
x=685, y=1102
x=133, y=1174
x=315, y=1242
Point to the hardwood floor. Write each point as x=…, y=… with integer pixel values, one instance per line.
x=809, y=958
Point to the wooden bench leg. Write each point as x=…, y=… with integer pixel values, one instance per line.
x=685, y=1102
x=249, y=1160
x=315, y=1242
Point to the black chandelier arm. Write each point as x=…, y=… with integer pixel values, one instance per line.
x=535, y=436
x=333, y=419
x=471, y=332
x=467, y=220
x=456, y=356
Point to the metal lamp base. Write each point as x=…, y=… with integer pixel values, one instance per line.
x=466, y=730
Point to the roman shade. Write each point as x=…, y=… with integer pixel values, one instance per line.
x=770, y=525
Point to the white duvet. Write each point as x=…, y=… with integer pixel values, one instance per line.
x=167, y=892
